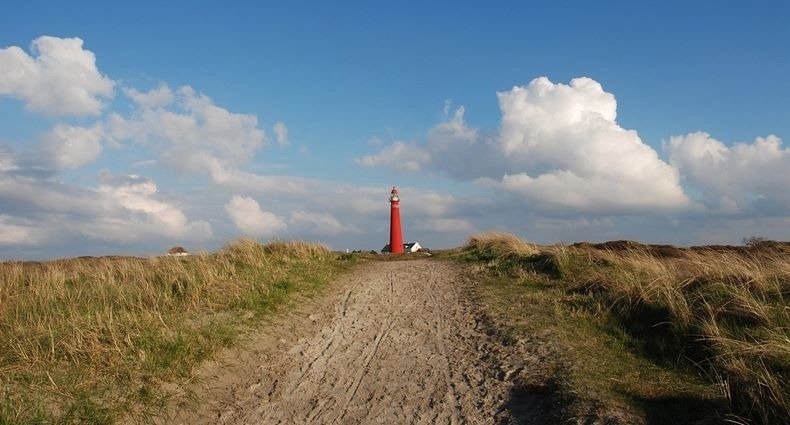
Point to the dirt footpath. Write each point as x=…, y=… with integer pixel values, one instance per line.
x=396, y=342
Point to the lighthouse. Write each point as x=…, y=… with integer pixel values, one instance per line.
x=396, y=235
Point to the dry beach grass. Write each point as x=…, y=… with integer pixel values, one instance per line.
x=720, y=314
x=662, y=334
x=92, y=339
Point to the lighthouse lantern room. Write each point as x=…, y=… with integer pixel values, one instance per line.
x=396, y=235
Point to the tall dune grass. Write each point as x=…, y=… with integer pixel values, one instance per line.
x=726, y=310
x=500, y=244
x=91, y=339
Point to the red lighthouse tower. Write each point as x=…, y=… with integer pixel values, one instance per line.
x=396, y=235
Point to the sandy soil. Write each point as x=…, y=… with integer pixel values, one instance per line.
x=393, y=342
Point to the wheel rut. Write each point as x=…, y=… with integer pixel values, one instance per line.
x=396, y=342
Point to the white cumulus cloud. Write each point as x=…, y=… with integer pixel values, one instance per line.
x=72, y=147
x=152, y=99
x=142, y=209
x=60, y=79
x=568, y=151
x=192, y=134
x=122, y=209
x=737, y=178
x=322, y=224
x=558, y=147
x=463, y=152
x=400, y=155
x=248, y=217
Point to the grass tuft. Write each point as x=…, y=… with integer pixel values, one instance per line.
x=497, y=244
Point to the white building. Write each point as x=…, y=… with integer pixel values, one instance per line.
x=177, y=251
x=407, y=247
x=411, y=247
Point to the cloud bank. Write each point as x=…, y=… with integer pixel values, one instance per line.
x=737, y=179
x=248, y=216
x=72, y=147
x=176, y=168
x=558, y=147
x=188, y=131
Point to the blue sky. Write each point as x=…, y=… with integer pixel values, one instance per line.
x=363, y=88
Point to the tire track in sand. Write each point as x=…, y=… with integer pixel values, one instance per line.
x=394, y=344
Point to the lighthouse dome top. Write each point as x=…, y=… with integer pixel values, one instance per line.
x=394, y=196
x=394, y=190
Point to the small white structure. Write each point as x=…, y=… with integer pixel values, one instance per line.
x=411, y=247
x=407, y=247
x=177, y=251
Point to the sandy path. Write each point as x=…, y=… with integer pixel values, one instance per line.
x=395, y=343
